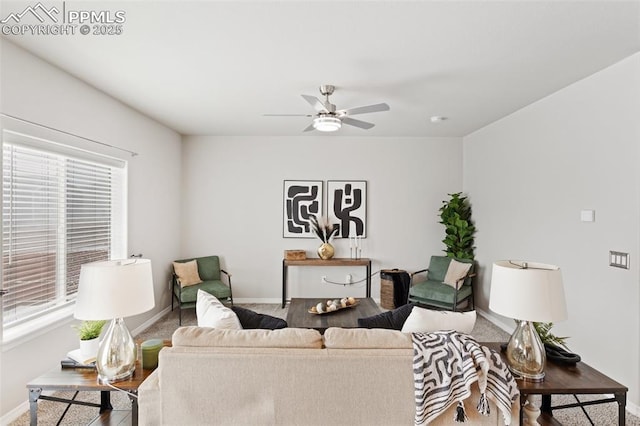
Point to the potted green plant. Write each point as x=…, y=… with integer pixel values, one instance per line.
x=89, y=333
x=455, y=215
x=544, y=331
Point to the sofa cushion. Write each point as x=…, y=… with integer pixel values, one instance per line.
x=187, y=273
x=251, y=320
x=456, y=271
x=284, y=338
x=438, y=266
x=423, y=320
x=217, y=288
x=363, y=338
x=439, y=292
x=212, y=313
x=393, y=319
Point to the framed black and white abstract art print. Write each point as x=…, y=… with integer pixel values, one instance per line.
x=301, y=199
x=347, y=206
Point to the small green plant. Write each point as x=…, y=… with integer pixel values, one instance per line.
x=88, y=330
x=455, y=215
x=544, y=331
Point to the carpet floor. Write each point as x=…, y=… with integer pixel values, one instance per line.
x=484, y=331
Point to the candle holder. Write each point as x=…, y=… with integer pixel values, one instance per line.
x=355, y=247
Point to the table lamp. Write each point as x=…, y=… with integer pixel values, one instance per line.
x=527, y=292
x=112, y=290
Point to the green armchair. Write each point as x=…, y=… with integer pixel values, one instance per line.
x=434, y=292
x=211, y=276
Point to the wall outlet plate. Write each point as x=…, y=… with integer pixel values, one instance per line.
x=588, y=215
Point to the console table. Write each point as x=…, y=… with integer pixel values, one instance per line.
x=321, y=262
x=578, y=379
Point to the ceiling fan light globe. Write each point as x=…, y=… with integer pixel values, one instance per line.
x=327, y=124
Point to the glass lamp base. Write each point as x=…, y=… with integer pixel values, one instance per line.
x=525, y=353
x=103, y=380
x=527, y=377
x=116, y=360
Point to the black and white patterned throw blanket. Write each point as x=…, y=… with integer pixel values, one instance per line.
x=446, y=364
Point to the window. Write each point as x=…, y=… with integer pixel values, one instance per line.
x=61, y=207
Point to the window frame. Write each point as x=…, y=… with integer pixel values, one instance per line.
x=33, y=136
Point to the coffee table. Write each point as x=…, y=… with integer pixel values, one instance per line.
x=579, y=379
x=299, y=317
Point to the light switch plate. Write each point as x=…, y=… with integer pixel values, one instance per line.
x=619, y=259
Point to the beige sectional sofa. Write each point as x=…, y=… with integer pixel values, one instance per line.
x=289, y=377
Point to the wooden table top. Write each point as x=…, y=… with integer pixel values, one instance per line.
x=566, y=379
x=84, y=379
x=299, y=316
x=335, y=261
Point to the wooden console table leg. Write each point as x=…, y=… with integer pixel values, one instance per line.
x=368, y=279
x=284, y=284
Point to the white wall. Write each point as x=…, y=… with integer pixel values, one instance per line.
x=530, y=174
x=232, y=204
x=36, y=91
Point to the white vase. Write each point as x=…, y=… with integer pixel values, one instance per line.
x=89, y=348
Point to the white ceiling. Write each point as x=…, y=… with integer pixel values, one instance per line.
x=214, y=67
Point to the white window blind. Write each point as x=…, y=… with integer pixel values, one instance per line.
x=58, y=212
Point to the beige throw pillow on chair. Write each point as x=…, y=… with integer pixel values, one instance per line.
x=457, y=270
x=187, y=273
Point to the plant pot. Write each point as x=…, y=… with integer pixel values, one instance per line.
x=89, y=348
x=326, y=251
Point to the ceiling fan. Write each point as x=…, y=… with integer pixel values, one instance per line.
x=328, y=119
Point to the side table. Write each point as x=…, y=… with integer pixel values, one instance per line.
x=83, y=379
x=578, y=379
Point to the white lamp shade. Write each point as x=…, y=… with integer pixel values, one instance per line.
x=532, y=293
x=114, y=289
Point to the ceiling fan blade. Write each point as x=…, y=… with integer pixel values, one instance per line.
x=316, y=103
x=357, y=123
x=287, y=115
x=367, y=109
x=309, y=128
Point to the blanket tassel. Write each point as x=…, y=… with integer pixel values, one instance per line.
x=460, y=416
x=483, y=405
